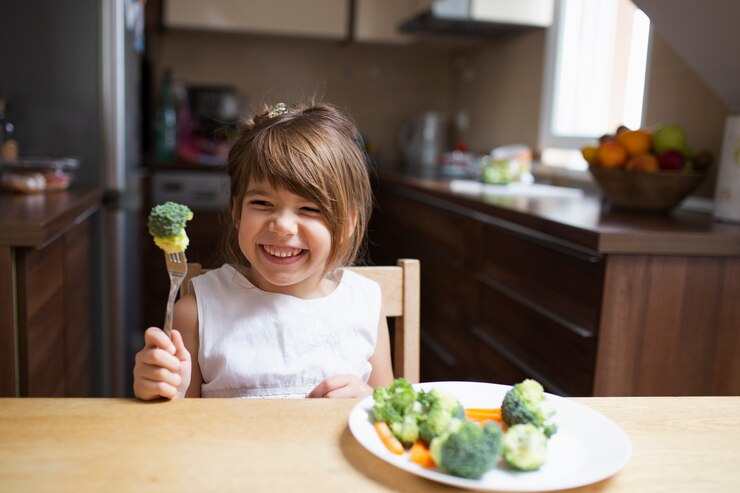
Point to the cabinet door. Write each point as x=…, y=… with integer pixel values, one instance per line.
x=317, y=18
x=41, y=321
x=77, y=296
x=54, y=316
x=377, y=21
x=404, y=227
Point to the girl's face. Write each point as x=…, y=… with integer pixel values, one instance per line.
x=285, y=239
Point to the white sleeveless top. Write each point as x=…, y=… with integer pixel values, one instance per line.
x=259, y=344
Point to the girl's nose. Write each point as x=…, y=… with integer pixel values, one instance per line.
x=284, y=224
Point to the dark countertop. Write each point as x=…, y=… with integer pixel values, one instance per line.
x=583, y=222
x=33, y=220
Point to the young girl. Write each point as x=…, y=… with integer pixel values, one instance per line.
x=281, y=319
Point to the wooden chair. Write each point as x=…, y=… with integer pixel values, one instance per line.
x=400, y=287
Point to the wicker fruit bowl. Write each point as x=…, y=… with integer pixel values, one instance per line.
x=648, y=169
x=654, y=192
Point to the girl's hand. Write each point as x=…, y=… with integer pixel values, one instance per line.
x=341, y=386
x=162, y=367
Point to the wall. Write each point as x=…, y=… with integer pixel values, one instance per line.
x=676, y=93
x=381, y=86
x=49, y=76
x=706, y=36
x=497, y=83
x=502, y=91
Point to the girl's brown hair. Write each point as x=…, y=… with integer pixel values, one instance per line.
x=313, y=151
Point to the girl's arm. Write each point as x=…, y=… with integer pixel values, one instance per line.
x=185, y=320
x=382, y=373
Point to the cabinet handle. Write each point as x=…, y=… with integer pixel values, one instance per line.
x=517, y=361
x=535, y=307
x=430, y=343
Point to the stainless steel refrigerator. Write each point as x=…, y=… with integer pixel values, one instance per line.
x=71, y=72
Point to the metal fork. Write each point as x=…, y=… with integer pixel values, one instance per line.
x=177, y=267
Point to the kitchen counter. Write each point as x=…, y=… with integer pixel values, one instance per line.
x=687, y=444
x=35, y=219
x=585, y=223
x=589, y=301
x=45, y=289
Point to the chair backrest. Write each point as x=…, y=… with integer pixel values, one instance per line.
x=400, y=286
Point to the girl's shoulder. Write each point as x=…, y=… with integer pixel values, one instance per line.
x=355, y=281
x=226, y=276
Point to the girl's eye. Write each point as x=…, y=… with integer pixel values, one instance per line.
x=311, y=210
x=260, y=203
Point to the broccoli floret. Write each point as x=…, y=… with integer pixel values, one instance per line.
x=168, y=219
x=394, y=402
x=441, y=407
x=444, y=400
x=467, y=450
x=406, y=430
x=525, y=447
x=525, y=403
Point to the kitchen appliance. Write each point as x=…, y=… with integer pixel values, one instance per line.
x=78, y=93
x=209, y=126
x=421, y=141
x=727, y=197
x=480, y=17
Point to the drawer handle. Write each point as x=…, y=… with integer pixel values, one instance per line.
x=517, y=361
x=536, y=307
x=439, y=350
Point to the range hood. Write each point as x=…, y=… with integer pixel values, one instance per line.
x=480, y=17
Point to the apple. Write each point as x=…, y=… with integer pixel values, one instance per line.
x=667, y=137
x=672, y=160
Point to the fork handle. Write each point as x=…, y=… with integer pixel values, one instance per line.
x=174, y=287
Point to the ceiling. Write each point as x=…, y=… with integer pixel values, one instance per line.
x=706, y=34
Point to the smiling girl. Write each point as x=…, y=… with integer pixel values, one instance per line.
x=281, y=318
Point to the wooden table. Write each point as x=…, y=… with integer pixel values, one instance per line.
x=687, y=444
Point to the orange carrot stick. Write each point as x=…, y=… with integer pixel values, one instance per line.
x=484, y=410
x=481, y=414
x=387, y=437
x=420, y=454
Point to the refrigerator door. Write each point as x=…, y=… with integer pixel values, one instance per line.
x=120, y=86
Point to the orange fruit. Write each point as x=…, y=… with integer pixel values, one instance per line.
x=645, y=163
x=635, y=141
x=611, y=154
x=589, y=154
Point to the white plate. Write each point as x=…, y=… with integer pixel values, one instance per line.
x=587, y=448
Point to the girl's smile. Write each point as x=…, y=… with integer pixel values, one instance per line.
x=286, y=240
x=281, y=254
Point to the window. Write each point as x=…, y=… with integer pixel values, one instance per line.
x=595, y=73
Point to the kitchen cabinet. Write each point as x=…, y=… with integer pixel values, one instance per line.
x=45, y=293
x=588, y=301
x=318, y=18
x=376, y=21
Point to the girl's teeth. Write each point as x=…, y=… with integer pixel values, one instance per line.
x=282, y=252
